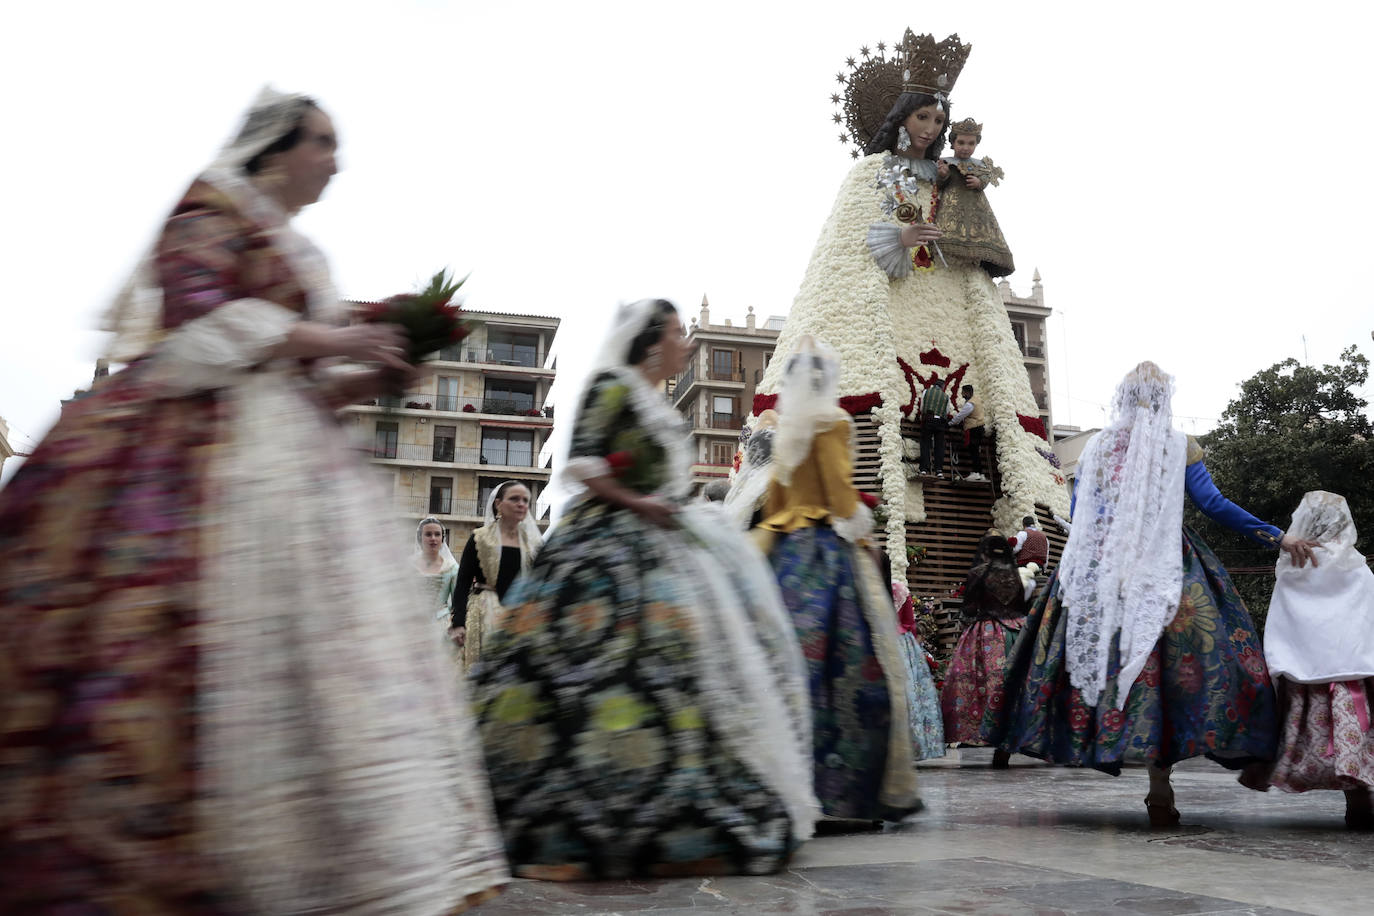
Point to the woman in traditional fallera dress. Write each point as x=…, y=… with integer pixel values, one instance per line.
x=641, y=697
x=495, y=554
x=1319, y=644
x=214, y=694
x=995, y=607
x=922, y=696
x=1140, y=648
x=815, y=529
x=437, y=568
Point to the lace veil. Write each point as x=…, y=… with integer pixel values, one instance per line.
x=530, y=538
x=1121, y=575
x=808, y=399
x=418, y=552
x=135, y=316
x=750, y=486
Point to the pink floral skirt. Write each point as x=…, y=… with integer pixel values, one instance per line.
x=1327, y=742
x=974, y=680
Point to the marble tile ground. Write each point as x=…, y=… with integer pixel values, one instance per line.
x=1039, y=841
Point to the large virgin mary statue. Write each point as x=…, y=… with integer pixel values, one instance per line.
x=903, y=314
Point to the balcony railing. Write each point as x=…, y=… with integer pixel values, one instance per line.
x=431, y=505
x=454, y=455
x=512, y=407
x=494, y=354
x=1035, y=352
x=721, y=421
x=685, y=381
x=733, y=375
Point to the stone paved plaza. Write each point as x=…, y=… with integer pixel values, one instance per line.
x=1036, y=840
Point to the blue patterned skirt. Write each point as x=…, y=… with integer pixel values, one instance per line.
x=847, y=628
x=1204, y=690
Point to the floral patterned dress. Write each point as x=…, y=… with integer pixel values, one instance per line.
x=994, y=597
x=1204, y=689
x=640, y=696
x=216, y=696
x=863, y=751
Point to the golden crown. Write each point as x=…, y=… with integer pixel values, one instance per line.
x=966, y=126
x=917, y=63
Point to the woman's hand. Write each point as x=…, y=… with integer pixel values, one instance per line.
x=372, y=343
x=942, y=169
x=919, y=234
x=655, y=511
x=459, y=635
x=1300, y=550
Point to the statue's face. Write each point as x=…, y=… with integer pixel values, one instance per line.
x=924, y=125
x=964, y=145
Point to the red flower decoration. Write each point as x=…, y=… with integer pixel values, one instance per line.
x=933, y=357
x=855, y=404
x=868, y=499
x=619, y=462
x=764, y=402
x=1033, y=425
x=468, y=408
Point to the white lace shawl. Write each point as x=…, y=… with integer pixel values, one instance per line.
x=1320, y=626
x=1121, y=575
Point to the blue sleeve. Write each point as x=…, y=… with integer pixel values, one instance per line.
x=1205, y=495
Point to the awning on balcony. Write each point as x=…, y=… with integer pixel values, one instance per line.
x=504, y=424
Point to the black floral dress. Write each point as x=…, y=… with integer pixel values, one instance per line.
x=640, y=699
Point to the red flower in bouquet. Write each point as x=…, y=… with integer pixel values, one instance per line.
x=429, y=318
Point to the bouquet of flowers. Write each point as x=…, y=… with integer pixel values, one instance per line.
x=430, y=318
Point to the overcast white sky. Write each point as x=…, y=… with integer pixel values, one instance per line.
x=1190, y=178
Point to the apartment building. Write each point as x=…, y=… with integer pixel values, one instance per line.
x=478, y=420
x=1028, y=315
x=715, y=393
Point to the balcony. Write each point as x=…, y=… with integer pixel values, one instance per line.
x=509, y=407
x=733, y=375
x=425, y=454
x=420, y=506
x=721, y=421
x=684, y=382
x=508, y=355
x=1031, y=351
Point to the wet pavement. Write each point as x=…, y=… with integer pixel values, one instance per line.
x=1035, y=840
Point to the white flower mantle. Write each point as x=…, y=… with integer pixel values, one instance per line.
x=848, y=301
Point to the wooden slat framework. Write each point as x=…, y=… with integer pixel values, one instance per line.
x=958, y=514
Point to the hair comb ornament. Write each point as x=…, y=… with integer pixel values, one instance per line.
x=917, y=63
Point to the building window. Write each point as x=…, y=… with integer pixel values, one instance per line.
x=722, y=412
x=508, y=446
x=722, y=452
x=487, y=485
x=1018, y=330
x=508, y=397
x=384, y=442
x=445, y=438
x=441, y=496
x=448, y=393
x=723, y=364
x=513, y=349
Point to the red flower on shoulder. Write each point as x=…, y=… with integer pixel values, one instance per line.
x=620, y=462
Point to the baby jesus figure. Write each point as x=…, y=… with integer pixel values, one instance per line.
x=965, y=216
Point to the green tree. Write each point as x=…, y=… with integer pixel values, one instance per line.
x=1293, y=428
